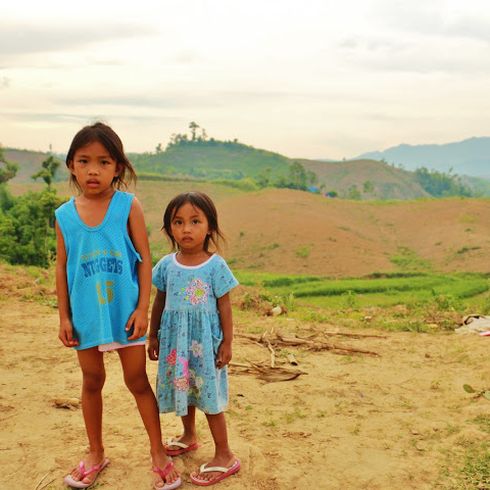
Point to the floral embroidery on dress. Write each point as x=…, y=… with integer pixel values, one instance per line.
x=197, y=292
x=182, y=384
x=196, y=348
x=195, y=383
x=172, y=357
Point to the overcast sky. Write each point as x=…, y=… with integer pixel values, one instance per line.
x=305, y=78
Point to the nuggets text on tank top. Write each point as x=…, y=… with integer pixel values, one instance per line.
x=101, y=272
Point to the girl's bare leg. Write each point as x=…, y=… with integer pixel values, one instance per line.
x=133, y=360
x=92, y=364
x=223, y=456
x=189, y=423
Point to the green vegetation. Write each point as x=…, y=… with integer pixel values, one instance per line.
x=440, y=184
x=197, y=157
x=27, y=233
x=409, y=301
x=408, y=260
x=8, y=169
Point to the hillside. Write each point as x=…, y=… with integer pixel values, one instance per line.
x=212, y=159
x=281, y=230
x=29, y=163
x=234, y=161
x=467, y=157
x=372, y=179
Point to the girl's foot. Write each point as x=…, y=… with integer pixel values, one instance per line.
x=88, y=469
x=181, y=445
x=165, y=474
x=230, y=464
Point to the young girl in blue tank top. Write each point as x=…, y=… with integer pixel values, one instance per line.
x=191, y=331
x=103, y=282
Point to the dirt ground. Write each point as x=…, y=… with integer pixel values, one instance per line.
x=352, y=422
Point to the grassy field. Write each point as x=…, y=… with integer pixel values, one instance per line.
x=411, y=301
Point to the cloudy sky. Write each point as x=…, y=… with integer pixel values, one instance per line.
x=306, y=78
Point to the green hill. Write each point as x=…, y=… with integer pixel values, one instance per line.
x=212, y=159
x=366, y=179
x=240, y=165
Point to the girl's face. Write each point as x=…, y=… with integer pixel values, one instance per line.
x=94, y=169
x=189, y=227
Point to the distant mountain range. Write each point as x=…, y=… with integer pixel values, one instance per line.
x=468, y=157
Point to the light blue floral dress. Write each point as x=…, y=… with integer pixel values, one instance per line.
x=190, y=334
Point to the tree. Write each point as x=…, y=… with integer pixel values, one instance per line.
x=368, y=187
x=9, y=169
x=193, y=126
x=27, y=233
x=353, y=193
x=440, y=184
x=48, y=170
x=264, y=178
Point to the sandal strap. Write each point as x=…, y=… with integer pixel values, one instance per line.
x=208, y=469
x=84, y=472
x=170, y=442
x=165, y=471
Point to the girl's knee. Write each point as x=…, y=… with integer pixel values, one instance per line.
x=137, y=385
x=93, y=381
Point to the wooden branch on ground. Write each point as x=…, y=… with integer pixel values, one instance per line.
x=266, y=373
x=273, y=354
x=281, y=340
x=355, y=335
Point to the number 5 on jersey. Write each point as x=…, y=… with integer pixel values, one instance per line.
x=106, y=296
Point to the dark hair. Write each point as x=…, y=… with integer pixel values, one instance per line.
x=206, y=205
x=107, y=137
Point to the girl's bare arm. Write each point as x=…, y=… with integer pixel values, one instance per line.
x=66, y=327
x=225, y=351
x=139, y=237
x=156, y=315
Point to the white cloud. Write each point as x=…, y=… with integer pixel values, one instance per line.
x=305, y=78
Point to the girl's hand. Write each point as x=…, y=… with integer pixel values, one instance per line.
x=66, y=334
x=224, y=355
x=138, y=321
x=153, y=348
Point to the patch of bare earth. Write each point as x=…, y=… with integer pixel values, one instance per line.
x=282, y=230
x=352, y=422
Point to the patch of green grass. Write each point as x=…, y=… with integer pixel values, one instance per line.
x=407, y=260
x=303, y=252
x=475, y=472
x=290, y=417
x=406, y=301
x=483, y=422
x=466, y=249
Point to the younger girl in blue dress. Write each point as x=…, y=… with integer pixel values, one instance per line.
x=103, y=282
x=191, y=330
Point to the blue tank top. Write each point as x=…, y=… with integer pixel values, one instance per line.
x=101, y=272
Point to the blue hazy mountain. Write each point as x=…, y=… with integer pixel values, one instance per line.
x=467, y=157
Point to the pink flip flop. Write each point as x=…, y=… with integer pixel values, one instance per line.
x=163, y=474
x=71, y=482
x=183, y=448
x=225, y=473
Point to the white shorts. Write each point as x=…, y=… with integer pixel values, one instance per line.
x=117, y=345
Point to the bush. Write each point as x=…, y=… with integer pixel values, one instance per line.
x=27, y=234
